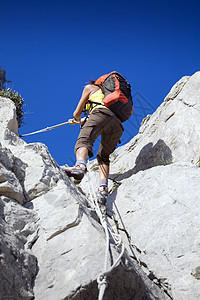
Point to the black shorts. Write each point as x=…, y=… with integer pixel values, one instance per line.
x=102, y=122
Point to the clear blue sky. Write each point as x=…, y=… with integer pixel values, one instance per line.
x=51, y=48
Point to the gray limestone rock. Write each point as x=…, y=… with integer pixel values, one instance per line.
x=160, y=211
x=157, y=202
x=52, y=245
x=18, y=264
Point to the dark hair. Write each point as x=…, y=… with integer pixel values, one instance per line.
x=91, y=81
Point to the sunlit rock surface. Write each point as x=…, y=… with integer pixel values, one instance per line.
x=52, y=245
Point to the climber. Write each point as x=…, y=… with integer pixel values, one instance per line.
x=102, y=121
x=105, y=120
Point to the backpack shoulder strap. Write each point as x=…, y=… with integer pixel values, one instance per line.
x=100, y=86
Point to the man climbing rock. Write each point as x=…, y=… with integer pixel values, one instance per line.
x=101, y=121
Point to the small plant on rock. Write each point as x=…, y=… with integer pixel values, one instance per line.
x=18, y=101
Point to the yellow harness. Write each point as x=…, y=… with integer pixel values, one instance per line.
x=96, y=97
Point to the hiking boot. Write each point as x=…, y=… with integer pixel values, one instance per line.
x=77, y=172
x=102, y=195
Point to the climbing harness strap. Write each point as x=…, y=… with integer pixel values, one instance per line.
x=46, y=129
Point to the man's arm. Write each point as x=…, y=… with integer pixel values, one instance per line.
x=85, y=96
x=87, y=91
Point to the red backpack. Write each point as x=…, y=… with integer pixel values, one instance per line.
x=117, y=93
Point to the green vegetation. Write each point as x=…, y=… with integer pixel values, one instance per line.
x=18, y=101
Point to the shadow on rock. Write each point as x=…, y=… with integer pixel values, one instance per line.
x=124, y=283
x=149, y=156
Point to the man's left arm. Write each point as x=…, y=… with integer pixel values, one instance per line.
x=79, y=109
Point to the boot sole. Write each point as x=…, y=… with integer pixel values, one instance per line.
x=75, y=176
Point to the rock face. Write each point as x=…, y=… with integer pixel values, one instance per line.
x=52, y=245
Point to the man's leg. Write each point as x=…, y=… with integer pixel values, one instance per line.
x=79, y=170
x=103, y=171
x=103, y=183
x=82, y=154
x=110, y=136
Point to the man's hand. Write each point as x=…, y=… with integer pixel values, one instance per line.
x=73, y=121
